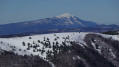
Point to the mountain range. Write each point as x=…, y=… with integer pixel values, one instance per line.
x=25, y=44
x=61, y=23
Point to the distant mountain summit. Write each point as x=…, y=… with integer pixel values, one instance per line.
x=73, y=21
x=65, y=15
x=61, y=23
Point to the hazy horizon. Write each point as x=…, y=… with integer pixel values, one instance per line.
x=99, y=11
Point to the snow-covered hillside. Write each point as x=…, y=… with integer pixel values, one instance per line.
x=59, y=47
x=40, y=44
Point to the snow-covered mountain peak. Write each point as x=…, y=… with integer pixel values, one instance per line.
x=65, y=15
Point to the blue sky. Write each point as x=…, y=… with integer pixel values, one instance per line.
x=99, y=11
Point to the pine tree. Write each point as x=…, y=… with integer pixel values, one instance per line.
x=55, y=39
x=19, y=49
x=42, y=51
x=48, y=39
x=44, y=39
x=49, y=45
x=34, y=51
x=28, y=48
x=30, y=38
x=38, y=41
x=54, y=34
x=1, y=42
x=28, y=44
x=33, y=42
x=23, y=43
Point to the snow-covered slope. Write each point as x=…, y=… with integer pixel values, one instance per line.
x=58, y=47
x=36, y=42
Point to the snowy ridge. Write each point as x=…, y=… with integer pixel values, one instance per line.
x=114, y=37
